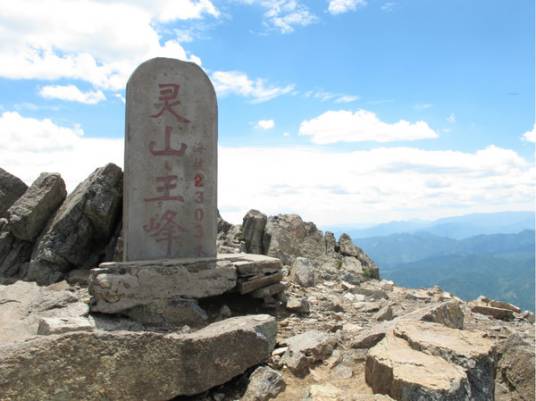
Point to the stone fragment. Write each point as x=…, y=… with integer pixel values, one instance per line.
x=447, y=313
x=170, y=162
x=30, y=213
x=385, y=313
x=331, y=243
x=496, y=313
x=265, y=383
x=304, y=350
x=118, y=286
x=82, y=225
x=303, y=272
x=11, y=188
x=468, y=349
x=269, y=291
x=59, y=325
x=394, y=368
x=299, y=305
x=133, y=366
x=370, y=337
x=253, y=283
x=174, y=311
x=253, y=231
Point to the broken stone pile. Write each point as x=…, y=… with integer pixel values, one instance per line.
x=285, y=313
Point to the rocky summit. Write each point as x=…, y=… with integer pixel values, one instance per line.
x=284, y=312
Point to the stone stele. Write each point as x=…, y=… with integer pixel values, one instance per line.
x=170, y=181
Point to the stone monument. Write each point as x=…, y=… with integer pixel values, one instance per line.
x=170, y=207
x=170, y=185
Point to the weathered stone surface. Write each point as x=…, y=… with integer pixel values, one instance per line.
x=14, y=257
x=447, y=313
x=265, y=383
x=299, y=305
x=170, y=162
x=253, y=265
x=118, y=286
x=83, y=224
x=370, y=337
x=303, y=272
x=59, y=325
x=347, y=248
x=385, y=313
x=394, y=368
x=133, y=366
x=496, y=313
x=468, y=349
x=287, y=236
x=245, y=286
x=30, y=213
x=253, y=230
x=304, y=350
x=331, y=243
x=504, y=305
x=11, y=188
x=169, y=312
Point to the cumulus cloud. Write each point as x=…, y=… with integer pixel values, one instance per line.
x=530, y=136
x=362, y=125
x=265, y=124
x=99, y=42
x=343, y=6
x=71, y=93
x=238, y=83
x=284, y=15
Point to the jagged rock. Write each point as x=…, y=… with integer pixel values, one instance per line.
x=30, y=213
x=299, y=305
x=169, y=312
x=304, y=350
x=132, y=366
x=264, y=384
x=253, y=231
x=287, y=236
x=394, y=368
x=331, y=243
x=223, y=225
x=467, y=349
x=516, y=367
x=385, y=313
x=496, y=313
x=504, y=305
x=347, y=247
x=370, y=337
x=83, y=224
x=14, y=257
x=11, y=188
x=303, y=272
x=448, y=313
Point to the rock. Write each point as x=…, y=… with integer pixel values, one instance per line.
x=174, y=312
x=132, y=366
x=468, y=349
x=370, y=337
x=287, y=236
x=331, y=243
x=516, y=367
x=118, y=286
x=264, y=384
x=14, y=257
x=394, y=368
x=30, y=213
x=347, y=247
x=299, y=305
x=342, y=372
x=253, y=231
x=11, y=188
x=78, y=277
x=304, y=350
x=82, y=225
x=368, y=307
x=496, y=313
x=385, y=313
x=447, y=313
x=323, y=392
x=504, y=305
x=59, y=325
x=303, y=272
x=223, y=225
x=225, y=312
x=528, y=316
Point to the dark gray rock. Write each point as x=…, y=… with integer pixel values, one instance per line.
x=11, y=188
x=30, y=213
x=265, y=383
x=14, y=257
x=253, y=231
x=82, y=225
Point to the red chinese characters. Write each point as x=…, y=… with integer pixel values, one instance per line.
x=168, y=95
x=199, y=212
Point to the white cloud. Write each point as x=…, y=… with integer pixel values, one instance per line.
x=451, y=119
x=285, y=15
x=530, y=136
x=346, y=99
x=265, y=124
x=327, y=187
x=362, y=125
x=30, y=146
x=238, y=83
x=325, y=96
x=343, y=6
x=71, y=93
x=99, y=42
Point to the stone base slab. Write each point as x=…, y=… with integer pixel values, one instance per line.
x=116, y=287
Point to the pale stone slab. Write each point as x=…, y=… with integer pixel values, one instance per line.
x=170, y=193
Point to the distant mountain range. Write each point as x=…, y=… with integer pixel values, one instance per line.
x=458, y=227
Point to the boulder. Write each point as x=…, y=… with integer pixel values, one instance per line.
x=253, y=231
x=305, y=350
x=448, y=313
x=287, y=236
x=14, y=257
x=303, y=272
x=331, y=243
x=298, y=305
x=174, y=312
x=347, y=248
x=132, y=366
x=385, y=313
x=494, y=312
x=11, y=188
x=29, y=214
x=504, y=305
x=83, y=224
x=265, y=383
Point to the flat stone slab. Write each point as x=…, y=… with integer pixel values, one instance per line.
x=133, y=366
x=119, y=286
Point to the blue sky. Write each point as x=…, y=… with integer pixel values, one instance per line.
x=343, y=111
